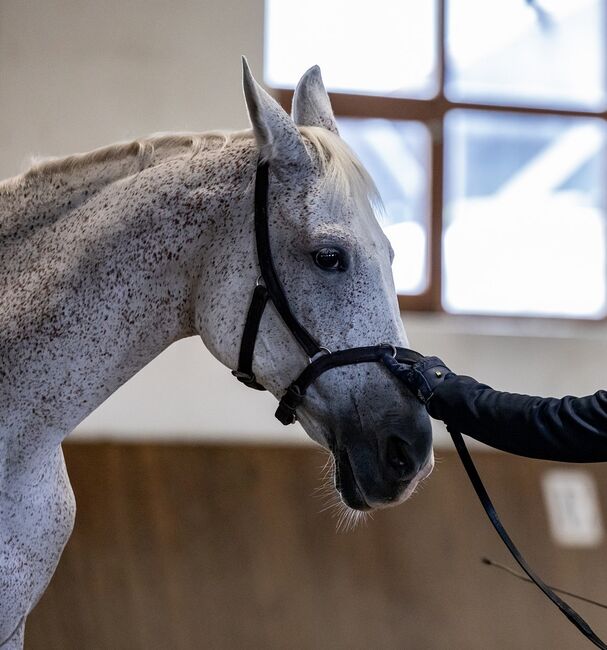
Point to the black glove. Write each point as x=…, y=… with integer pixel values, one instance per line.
x=420, y=378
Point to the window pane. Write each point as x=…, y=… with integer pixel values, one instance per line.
x=397, y=155
x=545, y=52
x=524, y=226
x=387, y=47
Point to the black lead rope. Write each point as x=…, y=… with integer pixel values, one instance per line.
x=489, y=508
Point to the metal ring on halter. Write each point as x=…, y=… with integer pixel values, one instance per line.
x=321, y=351
x=392, y=348
x=258, y=282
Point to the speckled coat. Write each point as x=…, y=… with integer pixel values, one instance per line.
x=108, y=258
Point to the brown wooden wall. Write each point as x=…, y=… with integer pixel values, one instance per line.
x=187, y=547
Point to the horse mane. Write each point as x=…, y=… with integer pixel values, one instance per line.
x=343, y=173
x=144, y=152
x=337, y=160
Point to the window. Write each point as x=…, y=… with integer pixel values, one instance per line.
x=397, y=154
x=387, y=50
x=484, y=125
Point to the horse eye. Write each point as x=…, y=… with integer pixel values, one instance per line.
x=329, y=259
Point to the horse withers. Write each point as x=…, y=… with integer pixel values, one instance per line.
x=107, y=258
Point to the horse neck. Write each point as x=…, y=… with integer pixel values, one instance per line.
x=36, y=200
x=101, y=290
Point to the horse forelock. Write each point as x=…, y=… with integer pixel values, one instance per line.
x=344, y=176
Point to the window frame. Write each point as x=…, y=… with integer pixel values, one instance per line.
x=431, y=112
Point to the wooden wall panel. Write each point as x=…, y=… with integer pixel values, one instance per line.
x=187, y=547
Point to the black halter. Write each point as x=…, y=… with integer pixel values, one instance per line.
x=268, y=287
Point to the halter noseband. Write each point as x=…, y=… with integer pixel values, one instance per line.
x=269, y=287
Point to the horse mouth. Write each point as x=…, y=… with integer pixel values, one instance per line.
x=346, y=484
x=391, y=494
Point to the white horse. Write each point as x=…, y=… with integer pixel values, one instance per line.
x=107, y=258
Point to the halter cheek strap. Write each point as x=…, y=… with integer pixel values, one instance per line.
x=268, y=287
x=266, y=265
x=244, y=373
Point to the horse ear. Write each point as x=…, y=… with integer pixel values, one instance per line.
x=277, y=136
x=311, y=104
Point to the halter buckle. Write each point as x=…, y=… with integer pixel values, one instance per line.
x=287, y=407
x=248, y=379
x=391, y=347
x=242, y=376
x=322, y=350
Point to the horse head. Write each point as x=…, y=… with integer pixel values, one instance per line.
x=334, y=264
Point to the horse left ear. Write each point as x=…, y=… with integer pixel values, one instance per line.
x=277, y=136
x=311, y=104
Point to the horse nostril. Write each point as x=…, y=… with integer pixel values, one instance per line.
x=397, y=455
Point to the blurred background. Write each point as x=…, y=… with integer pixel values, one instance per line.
x=484, y=125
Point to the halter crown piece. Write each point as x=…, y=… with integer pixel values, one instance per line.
x=268, y=287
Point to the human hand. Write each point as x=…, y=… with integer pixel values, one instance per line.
x=420, y=378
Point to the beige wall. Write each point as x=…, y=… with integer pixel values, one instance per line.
x=76, y=75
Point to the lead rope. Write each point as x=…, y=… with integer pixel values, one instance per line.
x=487, y=504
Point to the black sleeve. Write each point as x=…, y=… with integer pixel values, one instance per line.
x=571, y=429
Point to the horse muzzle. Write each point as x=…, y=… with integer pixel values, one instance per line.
x=369, y=477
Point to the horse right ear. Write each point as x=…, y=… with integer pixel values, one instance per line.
x=277, y=136
x=311, y=103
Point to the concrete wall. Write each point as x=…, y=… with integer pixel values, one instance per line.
x=76, y=75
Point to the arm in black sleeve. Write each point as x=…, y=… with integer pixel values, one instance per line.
x=571, y=429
